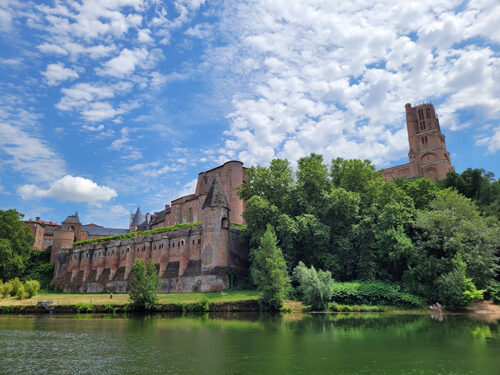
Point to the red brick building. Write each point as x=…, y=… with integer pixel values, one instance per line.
x=43, y=231
x=428, y=156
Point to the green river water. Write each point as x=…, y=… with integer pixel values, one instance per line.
x=249, y=344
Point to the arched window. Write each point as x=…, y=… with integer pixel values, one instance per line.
x=225, y=223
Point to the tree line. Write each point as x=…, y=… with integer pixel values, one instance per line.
x=437, y=240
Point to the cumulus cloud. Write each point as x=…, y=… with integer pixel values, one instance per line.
x=70, y=188
x=125, y=63
x=57, y=73
x=333, y=78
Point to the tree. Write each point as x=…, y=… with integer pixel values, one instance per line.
x=315, y=288
x=16, y=244
x=451, y=226
x=269, y=271
x=274, y=184
x=144, y=285
x=312, y=185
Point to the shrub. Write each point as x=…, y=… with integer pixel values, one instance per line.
x=144, y=285
x=6, y=289
x=31, y=287
x=16, y=285
x=20, y=292
x=84, y=307
x=315, y=288
x=372, y=293
x=494, y=291
x=455, y=289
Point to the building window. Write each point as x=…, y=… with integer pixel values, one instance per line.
x=428, y=113
x=420, y=114
x=422, y=125
x=424, y=140
x=195, y=217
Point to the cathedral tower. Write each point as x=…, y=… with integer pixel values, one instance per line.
x=427, y=156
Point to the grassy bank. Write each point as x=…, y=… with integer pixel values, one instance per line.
x=67, y=299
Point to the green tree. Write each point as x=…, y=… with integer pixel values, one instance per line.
x=315, y=287
x=274, y=184
x=451, y=226
x=478, y=185
x=455, y=289
x=144, y=285
x=269, y=271
x=312, y=186
x=38, y=267
x=16, y=244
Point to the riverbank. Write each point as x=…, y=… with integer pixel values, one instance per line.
x=102, y=303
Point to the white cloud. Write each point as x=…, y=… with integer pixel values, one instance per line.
x=69, y=188
x=491, y=142
x=333, y=78
x=125, y=63
x=57, y=73
x=28, y=154
x=188, y=188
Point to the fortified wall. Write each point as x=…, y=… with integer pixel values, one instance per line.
x=185, y=259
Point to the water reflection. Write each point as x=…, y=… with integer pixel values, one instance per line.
x=249, y=343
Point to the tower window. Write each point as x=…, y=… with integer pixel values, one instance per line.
x=424, y=140
x=422, y=125
x=428, y=110
x=420, y=114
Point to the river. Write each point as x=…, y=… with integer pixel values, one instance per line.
x=249, y=344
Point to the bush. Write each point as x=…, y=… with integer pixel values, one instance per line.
x=372, y=293
x=494, y=291
x=20, y=292
x=315, y=288
x=6, y=289
x=16, y=285
x=31, y=287
x=455, y=289
x=84, y=307
x=144, y=285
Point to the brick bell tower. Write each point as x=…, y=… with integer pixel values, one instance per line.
x=428, y=156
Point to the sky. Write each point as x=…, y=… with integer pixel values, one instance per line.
x=107, y=105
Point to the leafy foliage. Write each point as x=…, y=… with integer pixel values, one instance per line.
x=38, y=267
x=144, y=285
x=350, y=222
x=16, y=244
x=31, y=287
x=139, y=234
x=372, y=293
x=455, y=289
x=315, y=287
x=269, y=271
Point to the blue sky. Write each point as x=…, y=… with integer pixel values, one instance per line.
x=106, y=105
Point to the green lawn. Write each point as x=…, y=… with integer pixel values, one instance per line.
x=121, y=299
